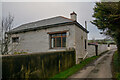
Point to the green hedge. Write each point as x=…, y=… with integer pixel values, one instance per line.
x=116, y=66
x=43, y=65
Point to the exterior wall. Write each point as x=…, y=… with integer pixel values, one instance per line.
x=80, y=37
x=0, y=48
x=101, y=48
x=38, y=41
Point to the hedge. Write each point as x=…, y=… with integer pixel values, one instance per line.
x=39, y=65
x=116, y=66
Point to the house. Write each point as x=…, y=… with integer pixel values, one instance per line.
x=53, y=34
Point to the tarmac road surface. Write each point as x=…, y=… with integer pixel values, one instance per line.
x=101, y=68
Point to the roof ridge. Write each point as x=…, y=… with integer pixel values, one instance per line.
x=66, y=18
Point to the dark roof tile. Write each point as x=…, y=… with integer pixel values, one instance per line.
x=44, y=24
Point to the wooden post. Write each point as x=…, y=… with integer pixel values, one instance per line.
x=59, y=65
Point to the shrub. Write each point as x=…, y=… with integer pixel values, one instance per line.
x=116, y=66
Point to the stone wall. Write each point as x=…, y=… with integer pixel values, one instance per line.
x=101, y=48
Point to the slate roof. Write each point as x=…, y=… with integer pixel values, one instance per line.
x=46, y=23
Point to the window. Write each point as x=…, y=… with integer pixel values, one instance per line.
x=58, y=40
x=15, y=39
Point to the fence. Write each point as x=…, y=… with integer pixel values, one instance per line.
x=43, y=65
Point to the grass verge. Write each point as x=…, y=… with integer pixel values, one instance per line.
x=103, y=52
x=116, y=66
x=65, y=74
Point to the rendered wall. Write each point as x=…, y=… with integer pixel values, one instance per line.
x=80, y=37
x=38, y=41
x=101, y=48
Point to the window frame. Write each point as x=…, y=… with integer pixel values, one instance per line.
x=61, y=36
x=15, y=41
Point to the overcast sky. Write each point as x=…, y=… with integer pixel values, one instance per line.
x=25, y=12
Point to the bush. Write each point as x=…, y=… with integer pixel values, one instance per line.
x=116, y=66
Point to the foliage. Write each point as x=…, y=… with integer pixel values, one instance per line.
x=107, y=19
x=65, y=74
x=38, y=65
x=116, y=66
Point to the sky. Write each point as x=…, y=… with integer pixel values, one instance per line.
x=25, y=12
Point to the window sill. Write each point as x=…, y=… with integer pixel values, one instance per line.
x=15, y=42
x=58, y=48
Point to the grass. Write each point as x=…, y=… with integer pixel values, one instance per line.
x=65, y=74
x=116, y=66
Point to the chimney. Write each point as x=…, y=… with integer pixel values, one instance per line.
x=73, y=16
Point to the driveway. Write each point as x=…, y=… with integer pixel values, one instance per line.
x=101, y=68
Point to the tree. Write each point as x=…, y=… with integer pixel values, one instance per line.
x=6, y=27
x=107, y=19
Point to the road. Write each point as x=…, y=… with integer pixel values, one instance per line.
x=101, y=68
